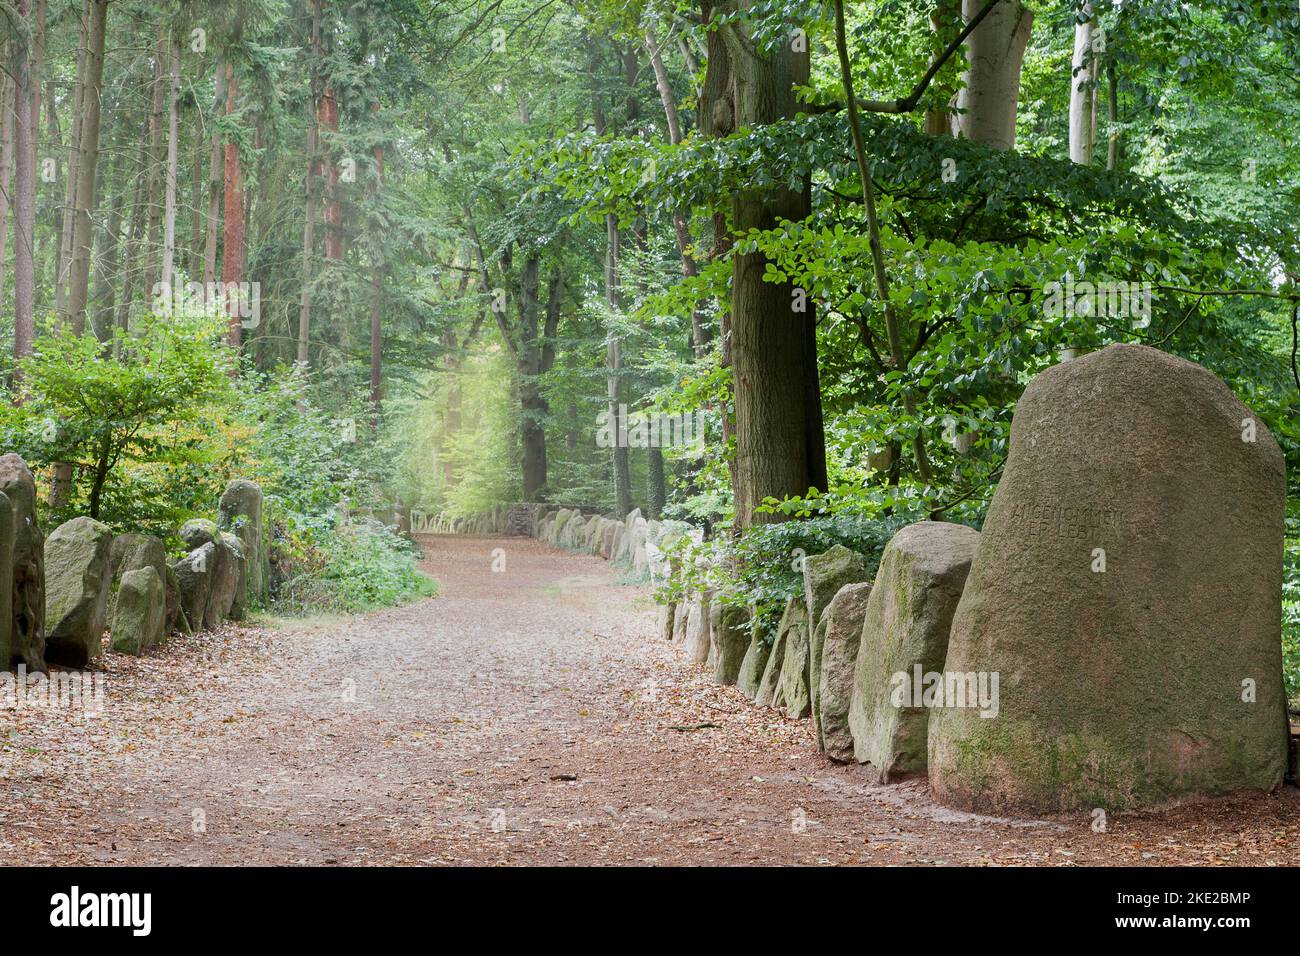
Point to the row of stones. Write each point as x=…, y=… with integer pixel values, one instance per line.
x=68, y=587
x=1125, y=652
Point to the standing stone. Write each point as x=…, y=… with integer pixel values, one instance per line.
x=823, y=576
x=697, y=629
x=794, y=693
x=667, y=617
x=194, y=577
x=141, y=609
x=239, y=562
x=1160, y=677
x=769, y=686
x=224, y=578
x=8, y=656
x=755, y=660
x=27, y=604
x=130, y=552
x=240, y=512
x=76, y=591
x=907, y=621
x=730, y=638
x=840, y=633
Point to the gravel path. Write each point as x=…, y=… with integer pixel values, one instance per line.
x=522, y=717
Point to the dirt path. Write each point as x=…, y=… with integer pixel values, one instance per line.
x=521, y=717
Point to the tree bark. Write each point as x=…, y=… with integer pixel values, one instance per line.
x=24, y=189
x=995, y=51
x=6, y=154
x=154, y=200
x=63, y=262
x=1083, y=91
x=173, y=149
x=215, y=182
x=87, y=162
x=780, y=442
x=309, y=198
x=232, y=252
x=946, y=23
x=1112, y=114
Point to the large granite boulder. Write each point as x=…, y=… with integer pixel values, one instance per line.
x=140, y=613
x=239, y=565
x=240, y=513
x=130, y=552
x=769, y=685
x=697, y=628
x=823, y=576
x=1128, y=591
x=905, y=633
x=76, y=591
x=839, y=635
x=194, y=574
x=754, y=662
x=729, y=634
x=8, y=657
x=27, y=601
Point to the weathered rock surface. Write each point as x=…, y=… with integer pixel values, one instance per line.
x=194, y=574
x=8, y=657
x=754, y=662
x=239, y=562
x=908, y=617
x=76, y=591
x=241, y=513
x=697, y=629
x=130, y=552
x=839, y=634
x=27, y=603
x=795, y=697
x=140, y=612
x=1158, y=678
x=823, y=576
x=729, y=633
x=769, y=686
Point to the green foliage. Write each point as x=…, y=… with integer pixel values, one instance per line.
x=325, y=564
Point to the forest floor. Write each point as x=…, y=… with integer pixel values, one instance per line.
x=528, y=716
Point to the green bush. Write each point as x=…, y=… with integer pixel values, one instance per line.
x=355, y=565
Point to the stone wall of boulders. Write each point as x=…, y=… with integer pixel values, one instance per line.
x=67, y=588
x=1111, y=639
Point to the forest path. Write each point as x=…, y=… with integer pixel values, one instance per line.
x=523, y=716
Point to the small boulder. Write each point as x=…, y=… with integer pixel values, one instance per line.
x=194, y=578
x=905, y=632
x=76, y=591
x=697, y=629
x=729, y=634
x=140, y=612
x=240, y=512
x=754, y=662
x=839, y=634
x=769, y=687
x=823, y=577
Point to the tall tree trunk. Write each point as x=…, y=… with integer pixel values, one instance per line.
x=134, y=238
x=173, y=150
x=232, y=253
x=6, y=154
x=532, y=403
x=995, y=50
x=780, y=441
x=1112, y=114
x=154, y=202
x=376, y=307
x=946, y=24
x=309, y=200
x=1083, y=91
x=329, y=122
x=63, y=261
x=24, y=188
x=195, y=260
x=83, y=236
x=215, y=182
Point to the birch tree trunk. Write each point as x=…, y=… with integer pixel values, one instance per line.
x=995, y=51
x=1083, y=91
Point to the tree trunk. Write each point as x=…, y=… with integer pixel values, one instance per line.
x=24, y=189
x=6, y=154
x=173, y=131
x=780, y=442
x=309, y=197
x=1083, y=91
x=995, y=50
x=1112, y=114
x=328, y=120
x=376, y=309
x=87, y=161
x=232, y=252
x=134, y=238
x=215, y=182
x=656, y=483
x=63, y=261
x=154, y=200
x=946, y=24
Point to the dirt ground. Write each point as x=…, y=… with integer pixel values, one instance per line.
x=525, y=716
